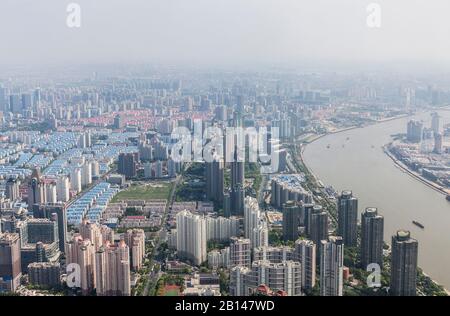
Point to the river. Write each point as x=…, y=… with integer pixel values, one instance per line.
x=359, y=164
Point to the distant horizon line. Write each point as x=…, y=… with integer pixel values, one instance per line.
x=307, y=66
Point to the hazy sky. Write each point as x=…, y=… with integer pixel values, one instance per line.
x=224, y=31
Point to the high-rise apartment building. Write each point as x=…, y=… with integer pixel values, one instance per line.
x=291, y=220
x=135, y=239
x=62, y=189
x=12, y=189
x=240, y=252
x=45, y=274
x=305, y=253
x=49, y=211
x=318, y=227
x=128, y=164
x=414, y=132
x=403, y=264
x=191, y=237
x=252, y=215
x=284, y=276
x=82, y=252
x=36, y=189
x=435, y=123
x=215, y=179
x=331, y=266
x=75, y=180
x=113, y=270
x=347, y=207
x=10, y=264
x=372, y=230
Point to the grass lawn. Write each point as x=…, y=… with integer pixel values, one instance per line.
x=148, y=191
x=169, y=290
x=172, y=293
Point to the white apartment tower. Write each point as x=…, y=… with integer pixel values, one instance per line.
x=331, y=266
x=191, y=237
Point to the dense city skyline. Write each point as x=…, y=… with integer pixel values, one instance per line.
x=224, y=148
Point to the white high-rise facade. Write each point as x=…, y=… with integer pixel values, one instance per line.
x=331, y=266
x=75, y=180
x=255, y=226
x=221, y=228
x=260, y=235
x=62, y=189
x=86, y=174
x=191, y=237
x=95, y=168
x=251, y=216
x=50, y=191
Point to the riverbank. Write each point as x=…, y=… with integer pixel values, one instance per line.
x=310, y=162
x=341, y=130
x=413, y=174
x=310, y=141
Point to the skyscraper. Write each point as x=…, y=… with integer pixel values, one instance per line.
x=240, y=252
x=15, y=103
x=251, y=215
x=82, y=252
x=435, y=123
x=36, y=189
x=86, y=174
x=112, y=270
x=118, y=122
x=237, y=196
x=62, y=189
x=239, y=277
x=236, y=142
x=191, y=237
x=227, y=203
x=12, y=189
x=283, y=276
x=414, y=131
x=27, y=101
x=305, y=253
x=44, y=274
x=47, y=211
x=50, y=192
x=75, y=180
x=10, y=264
x=3, y=103
x=372, y=229
x=347, y=206
x=260, y=235
x=127, y=164
x=135, y=239
x=403, y=264
x=214, y=179
x=331, y=266
x=237, y=169
x=291, y=220
x=37, y=99
x=318, y=228
x=438, y=143
x=39, y=241
x=306, y=217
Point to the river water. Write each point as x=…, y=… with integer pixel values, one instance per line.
x=359, y=164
